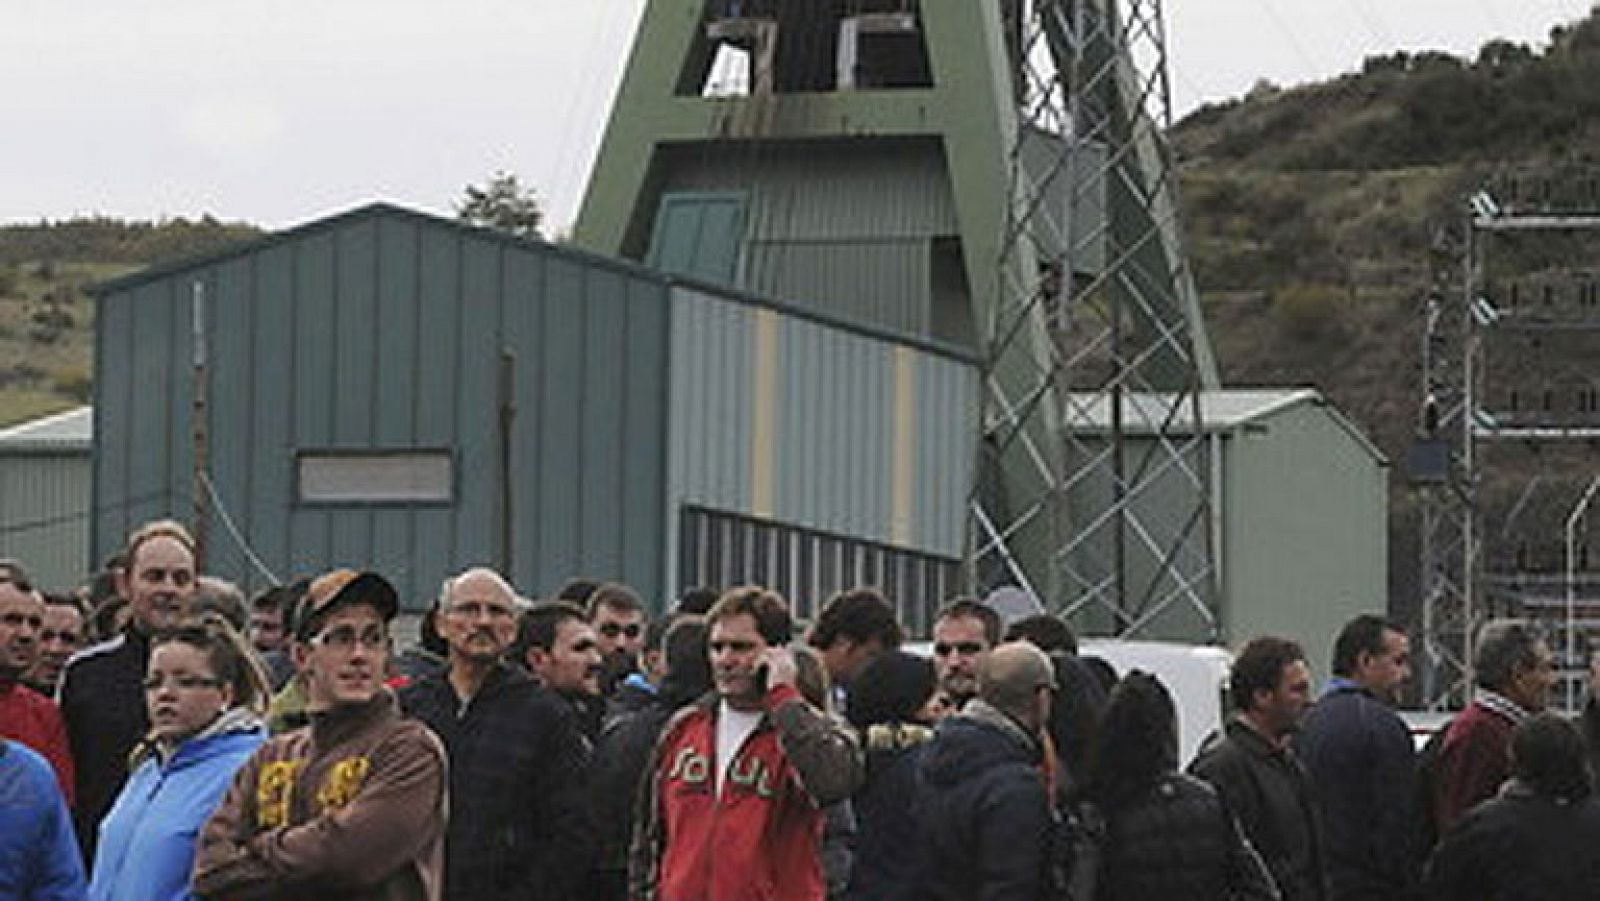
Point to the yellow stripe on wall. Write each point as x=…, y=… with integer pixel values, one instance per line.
x=764, y=397
x=905, y=451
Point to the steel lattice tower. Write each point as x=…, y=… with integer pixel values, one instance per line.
x=1093, y=250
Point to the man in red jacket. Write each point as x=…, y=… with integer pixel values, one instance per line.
x=25, y=715
x=737, y=783
x=1515, y=671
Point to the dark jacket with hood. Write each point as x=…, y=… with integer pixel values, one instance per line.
x=518, y=825
x=886, y=860
x=986, y=821
x=1520, y=846
x=1267, y=789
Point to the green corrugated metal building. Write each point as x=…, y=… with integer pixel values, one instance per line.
x=45, y=475
x=390, y=389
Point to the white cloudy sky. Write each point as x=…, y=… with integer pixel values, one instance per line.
x=278, y=111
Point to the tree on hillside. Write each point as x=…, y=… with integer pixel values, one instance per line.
x=503, y=204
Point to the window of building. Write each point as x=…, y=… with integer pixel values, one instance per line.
x=375, y=477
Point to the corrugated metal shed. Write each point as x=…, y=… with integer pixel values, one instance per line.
x=1299, y=511
x=382, y=331
x=45, y=496
x=378, y=335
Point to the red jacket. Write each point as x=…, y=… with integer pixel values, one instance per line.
x=761, y=838
x=1474, y=760
x=33, y=719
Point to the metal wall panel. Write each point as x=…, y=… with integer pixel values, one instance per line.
x=45, y=497
x=785, y=418
x=383, y=329
x=833, y=227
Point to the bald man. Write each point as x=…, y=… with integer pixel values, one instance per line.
x=985, y=808
x=517, y=795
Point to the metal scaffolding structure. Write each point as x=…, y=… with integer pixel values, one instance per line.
x=1507, y=428
x=1116, y=529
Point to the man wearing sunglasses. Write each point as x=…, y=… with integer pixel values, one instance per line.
x=617, y=616
x=964, y=632
x=351, y=806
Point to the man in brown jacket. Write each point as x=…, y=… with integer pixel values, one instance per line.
x=351, y=806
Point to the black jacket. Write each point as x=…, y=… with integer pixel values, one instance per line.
x=886, y=861
x=1359, y=757
x=1520, y=846
x=1178, y=840
x=102, y=701
x=986, y=824
x=518, y=825
x=1267, y=789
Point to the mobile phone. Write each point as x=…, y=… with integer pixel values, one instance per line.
x=761, y=678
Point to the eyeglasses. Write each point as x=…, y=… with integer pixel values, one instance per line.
x=964, y=648
x=476, y=609
x=612, y=630
x=154, y=682
x=345, y=638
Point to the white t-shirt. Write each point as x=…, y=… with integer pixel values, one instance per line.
x=733, y=727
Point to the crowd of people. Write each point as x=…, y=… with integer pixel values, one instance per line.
x=161, y=737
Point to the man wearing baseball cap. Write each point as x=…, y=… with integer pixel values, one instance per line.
x=351, y=806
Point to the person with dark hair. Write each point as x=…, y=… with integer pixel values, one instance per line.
x=623, y=750
x=1050, y=634
x=1164, y=834
x=101, y=698
x=1515, y=671
x=213, y=594
x=890, y=711
x=964, y=632
x=735, y=789
x=854, y=627
x=576, y=591
x=271, y=629
x=1256, y=771
x=518, y=822
x=205, y=691
x=697, y=601
x=638, y=690
x=985, y=811
x=1539, y=838
x=1074, y=720
x=617, y=616
x=108, y=619
x=351, y=806
x=63, y=632
x=427, y=656
x=27, y=716
x=1358, y=754
x=557, y=646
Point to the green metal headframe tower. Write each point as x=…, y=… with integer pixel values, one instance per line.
x=987, y=173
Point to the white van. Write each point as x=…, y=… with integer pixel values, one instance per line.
x=1196, y=675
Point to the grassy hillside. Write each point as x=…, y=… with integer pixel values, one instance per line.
x=1310, y=212
x=46, y=315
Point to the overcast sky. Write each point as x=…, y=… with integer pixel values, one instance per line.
x=280, y=111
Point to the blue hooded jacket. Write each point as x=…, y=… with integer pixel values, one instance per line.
x=146, y=848
x=38, y=851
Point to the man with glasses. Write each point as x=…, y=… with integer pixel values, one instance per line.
x=353, y=805
x=102, y=694
x=983, y=803
x=617, y=616
x=963, y=634
x=517, y=827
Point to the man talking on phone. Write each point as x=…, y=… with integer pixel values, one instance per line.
x=737, y=783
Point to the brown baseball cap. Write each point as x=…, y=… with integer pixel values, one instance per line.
x=343, y=588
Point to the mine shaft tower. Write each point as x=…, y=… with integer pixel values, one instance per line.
x=988, y=174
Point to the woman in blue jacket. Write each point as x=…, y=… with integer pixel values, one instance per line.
x=204, y=690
